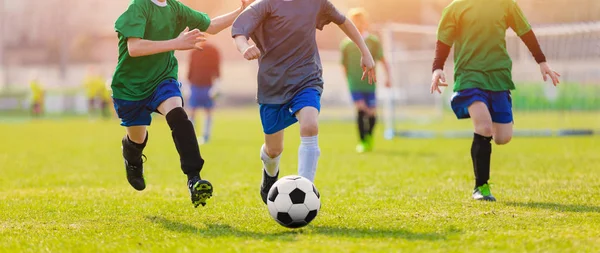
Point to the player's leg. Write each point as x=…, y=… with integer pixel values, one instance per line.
x=481, y=149
x=270, y=154
x=306, y=106
x=308, y=152
x=208, y=105
x=135, y=118
x=502, y=117
x=361, y=119
x=133, y=145
x=208, y=121
x=371, y=103
x=170, y=104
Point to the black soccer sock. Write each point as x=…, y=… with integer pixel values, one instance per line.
x=481, y=152
x=132, y=151
x=186, y=143
x=372, y=122
x=362, y=128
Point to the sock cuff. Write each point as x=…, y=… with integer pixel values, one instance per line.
x=138, y=145
x=478, y=137
x=309, y=141
x=176, y=115
x=265, y=157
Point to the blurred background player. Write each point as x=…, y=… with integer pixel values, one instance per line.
x=37, y=96
x=96, y=92
x=482, y=73
x=204, y=72
x=363, y=93
x=290, y=78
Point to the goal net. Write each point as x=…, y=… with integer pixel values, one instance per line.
x=572, y=49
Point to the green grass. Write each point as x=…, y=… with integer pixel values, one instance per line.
x=63, y=189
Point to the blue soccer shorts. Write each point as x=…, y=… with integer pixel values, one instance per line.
x=139, y=113
x=368, y=97
x=499, y=104
x=200, y=97
x=275, y=117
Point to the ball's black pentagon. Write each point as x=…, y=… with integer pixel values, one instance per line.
x=284, y=218
x=316, y=192
x=297, y=224
x=273, y=194
x=297, y=196
x=310, y=216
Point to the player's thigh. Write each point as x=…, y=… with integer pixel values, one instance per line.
x=136, y=133
x=482, y=120
x=169, y=104
x=274, y=143
x=503, y=133
x=308, y=117
x=360, y=105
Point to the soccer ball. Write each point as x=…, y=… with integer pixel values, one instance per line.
x=293, y=201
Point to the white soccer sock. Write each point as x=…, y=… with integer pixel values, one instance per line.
x=308, y=157
x=207, y=128
x=270, y=165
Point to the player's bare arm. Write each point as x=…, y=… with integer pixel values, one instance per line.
x=186, y=40
x=219, y=23
x=388, y=72
x=367, y=61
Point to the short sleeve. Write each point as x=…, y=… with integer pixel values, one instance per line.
x=329, y=14
x=251, y=18
x=192, y=18
x=446, y=32
x=132, y=23
x=516, y=19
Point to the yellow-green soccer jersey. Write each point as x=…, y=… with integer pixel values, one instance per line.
x=93, y=86
x=477, y=29
x=351, y=57
x=136, y=78
x=37, y=92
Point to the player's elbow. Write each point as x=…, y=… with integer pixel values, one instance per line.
x=133, y=48
x=214, y=28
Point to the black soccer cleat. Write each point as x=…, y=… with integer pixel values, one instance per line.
x=267, y=183
x=134, y=169
x=200, y=191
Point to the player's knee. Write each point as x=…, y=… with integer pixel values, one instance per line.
x=484, y=129
x=501, y=140
x=273, y=151
x=309, y=129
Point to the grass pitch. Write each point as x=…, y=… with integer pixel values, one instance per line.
x=63, y=189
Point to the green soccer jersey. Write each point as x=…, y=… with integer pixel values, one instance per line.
x=351, y=57
x=136, y=78
x=477, y=29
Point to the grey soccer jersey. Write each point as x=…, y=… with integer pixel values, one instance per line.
x=285, y=33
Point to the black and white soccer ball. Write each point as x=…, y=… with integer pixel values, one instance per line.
x=293, y=201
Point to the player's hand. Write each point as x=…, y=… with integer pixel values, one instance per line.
x=245, y=3
x=252, y=53
x=388, y=83
x=189, y=39
x=547, y=71
x=438, y=79
x=368, y=66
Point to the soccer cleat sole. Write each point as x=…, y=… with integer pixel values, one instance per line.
x=202, y=191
